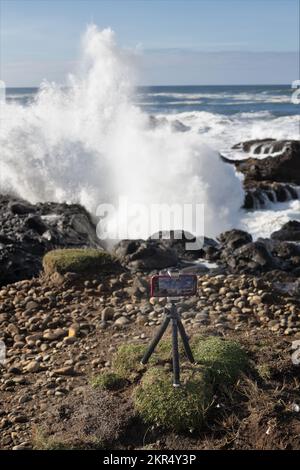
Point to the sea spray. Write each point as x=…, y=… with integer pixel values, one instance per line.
x=89, y=143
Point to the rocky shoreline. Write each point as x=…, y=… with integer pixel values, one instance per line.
x=270, y=169
x=29, y=231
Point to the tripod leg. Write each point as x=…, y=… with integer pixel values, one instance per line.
x=185, y=341
x=155, y=340
x=176, y=368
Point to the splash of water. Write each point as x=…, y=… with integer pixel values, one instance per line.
x=89, y=143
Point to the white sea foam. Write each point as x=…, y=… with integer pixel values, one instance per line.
x=174, y=103
x=259, y=97
x=263, y=223
x=89, y=143
x=223, y=131
x=20, y=96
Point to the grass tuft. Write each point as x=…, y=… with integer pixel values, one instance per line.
x=126, y=361
x=107, y=381
x=43, y=441
x=225, y=359
x=80, y=261
x=179, y=409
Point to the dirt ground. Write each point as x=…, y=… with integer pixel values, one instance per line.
x=260, y=412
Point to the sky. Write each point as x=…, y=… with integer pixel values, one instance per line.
x=190, y=42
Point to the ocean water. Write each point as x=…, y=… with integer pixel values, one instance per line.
x=222, y=115
x=102, y=136
x=225, y=100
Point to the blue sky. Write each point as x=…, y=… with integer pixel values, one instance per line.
x=183, y=42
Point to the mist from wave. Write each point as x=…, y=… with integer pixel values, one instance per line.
x=90, y=143
x=101, y=136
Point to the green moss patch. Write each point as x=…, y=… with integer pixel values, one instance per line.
x=80, y=261
x=179, y=409
x=107, y=381
x=218, y=362
x=126, y=361
x=225, y=359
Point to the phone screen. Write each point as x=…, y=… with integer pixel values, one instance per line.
x=167, y=286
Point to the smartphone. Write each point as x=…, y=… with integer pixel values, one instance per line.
x=182, y=285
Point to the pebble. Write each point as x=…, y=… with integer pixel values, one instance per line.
x=121, y=321
x=32, y=367
x=107, y=313
x=54, y=335
x=67, y=370
x=31, y=305
x=22, y=446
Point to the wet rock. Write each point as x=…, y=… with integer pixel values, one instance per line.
x=36, y=224
x=233, y=239
x=280, y=160
x=239, y=254
x=186, y=245
x=20, y=208
x=145, y=254
x=288, y=232
x=29, y=231
x=260, y=194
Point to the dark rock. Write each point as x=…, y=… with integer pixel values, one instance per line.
x=17, y=264
x=241, y=255
x=280, y=161
x=35, y=223
x=20, y=208
x=249, y=258
x=260, y=194
x=282, y=249
x=257, y=146
x=29, y=231
x=255, y=252
x=233, y=239
x=289, y=231
x=145, y=254
x=186, y=245
x=249, y=201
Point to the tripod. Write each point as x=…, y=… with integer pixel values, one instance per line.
x=173, y=315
